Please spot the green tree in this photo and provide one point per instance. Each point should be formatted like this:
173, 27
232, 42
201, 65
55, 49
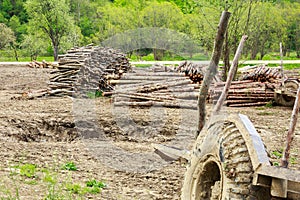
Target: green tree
52, 17
291, 14
7, 36
115, 19
35, 44
162, 15
267, 29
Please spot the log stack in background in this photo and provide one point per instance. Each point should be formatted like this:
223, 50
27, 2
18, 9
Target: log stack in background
256, 87
87, 68
245, 93
144, 89
262, 73
194, 71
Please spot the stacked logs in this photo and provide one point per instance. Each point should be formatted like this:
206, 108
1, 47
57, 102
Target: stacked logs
195, 71
145, 89
245, 93
262, 73
86, 69
43, 64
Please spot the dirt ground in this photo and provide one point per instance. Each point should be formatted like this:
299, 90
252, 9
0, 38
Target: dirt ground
106, 143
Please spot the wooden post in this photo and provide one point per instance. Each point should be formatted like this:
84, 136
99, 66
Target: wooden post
281, 64
231, 74
212, 69
290, 133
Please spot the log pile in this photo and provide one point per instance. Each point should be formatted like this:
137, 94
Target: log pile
145, 89
43, 64
86, 69
194, 71
245, 93
262, 73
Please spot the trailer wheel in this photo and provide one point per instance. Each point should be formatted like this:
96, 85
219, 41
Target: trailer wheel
220, 167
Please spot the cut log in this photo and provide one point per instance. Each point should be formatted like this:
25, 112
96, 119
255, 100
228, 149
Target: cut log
159, 104
248, 104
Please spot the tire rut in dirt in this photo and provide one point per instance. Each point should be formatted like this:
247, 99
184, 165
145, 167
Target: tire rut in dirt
41, 130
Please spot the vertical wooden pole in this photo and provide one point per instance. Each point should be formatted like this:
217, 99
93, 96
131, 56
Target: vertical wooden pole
212, 69
281, 64
290, 133
231, 74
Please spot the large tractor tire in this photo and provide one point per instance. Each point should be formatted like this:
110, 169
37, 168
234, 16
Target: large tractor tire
286, 100
220, 167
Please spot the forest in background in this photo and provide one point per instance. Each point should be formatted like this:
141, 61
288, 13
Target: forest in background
35, 28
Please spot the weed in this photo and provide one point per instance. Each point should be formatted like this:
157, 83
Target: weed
93, 95
50, 178
293, 160
276, 164
28, 170
93, 190
269, 104
277, 154
69, 166
31, 182
74, 188
95, 183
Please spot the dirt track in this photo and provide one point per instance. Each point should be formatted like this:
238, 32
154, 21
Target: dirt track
103, 144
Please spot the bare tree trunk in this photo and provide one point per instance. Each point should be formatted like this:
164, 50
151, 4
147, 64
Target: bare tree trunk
55, 52
16, 54
212, 69
254, 52
231, 74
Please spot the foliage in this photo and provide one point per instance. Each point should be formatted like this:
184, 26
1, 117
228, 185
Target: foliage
37, 25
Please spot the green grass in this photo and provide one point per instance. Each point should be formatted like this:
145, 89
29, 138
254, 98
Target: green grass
276, 56
25, 59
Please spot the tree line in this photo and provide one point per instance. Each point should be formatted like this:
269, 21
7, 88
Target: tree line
53, 26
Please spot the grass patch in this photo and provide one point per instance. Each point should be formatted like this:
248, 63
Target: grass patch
260, 108
265, 113
143, 65
92, 187
286, 66
52, 181
26, 59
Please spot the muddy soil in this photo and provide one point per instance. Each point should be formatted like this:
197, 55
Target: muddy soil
105, 143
